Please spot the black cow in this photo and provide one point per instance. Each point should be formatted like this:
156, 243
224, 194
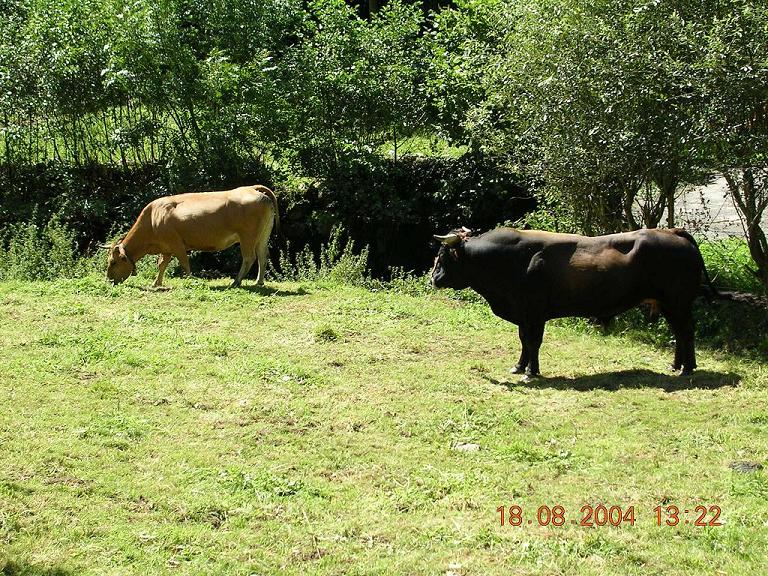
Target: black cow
530, 276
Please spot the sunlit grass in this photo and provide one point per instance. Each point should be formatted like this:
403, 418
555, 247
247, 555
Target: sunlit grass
312, 428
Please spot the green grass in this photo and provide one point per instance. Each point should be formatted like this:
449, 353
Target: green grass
314, 429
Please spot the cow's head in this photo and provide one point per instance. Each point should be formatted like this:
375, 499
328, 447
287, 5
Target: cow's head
119, 265
448, 271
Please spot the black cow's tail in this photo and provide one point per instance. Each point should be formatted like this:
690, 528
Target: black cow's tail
710, 290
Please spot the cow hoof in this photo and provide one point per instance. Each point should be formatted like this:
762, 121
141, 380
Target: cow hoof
529, 378
517, 369
674, 367
686, 372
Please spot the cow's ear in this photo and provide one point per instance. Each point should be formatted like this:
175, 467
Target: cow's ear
121, 250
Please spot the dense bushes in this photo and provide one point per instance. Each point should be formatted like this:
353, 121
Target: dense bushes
393, 206
32, 252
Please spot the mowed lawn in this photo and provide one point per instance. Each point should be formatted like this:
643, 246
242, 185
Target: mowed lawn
310, 429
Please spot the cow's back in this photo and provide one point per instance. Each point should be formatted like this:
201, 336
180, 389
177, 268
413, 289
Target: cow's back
573, 275
210, 221
606, 275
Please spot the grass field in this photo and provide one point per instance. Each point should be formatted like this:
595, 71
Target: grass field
317, 429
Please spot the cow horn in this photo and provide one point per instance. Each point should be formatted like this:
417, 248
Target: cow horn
466, 230
448, 239
107, 246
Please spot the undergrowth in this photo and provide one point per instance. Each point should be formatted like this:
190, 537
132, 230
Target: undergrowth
337, 262
32, 252
730, 265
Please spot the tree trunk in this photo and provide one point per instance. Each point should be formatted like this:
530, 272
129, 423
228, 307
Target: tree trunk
750, 198
671, 209
667, 178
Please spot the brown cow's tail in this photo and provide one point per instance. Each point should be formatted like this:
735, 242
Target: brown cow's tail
267, 192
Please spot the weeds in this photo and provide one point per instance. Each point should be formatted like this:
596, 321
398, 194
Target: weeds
32, 252
337, 263
730, 265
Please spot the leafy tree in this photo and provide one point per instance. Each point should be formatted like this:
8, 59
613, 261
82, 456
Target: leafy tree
463, 47
351, 85
596, 99
734, 83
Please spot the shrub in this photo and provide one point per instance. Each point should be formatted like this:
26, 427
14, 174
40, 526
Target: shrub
334, 263
32, 252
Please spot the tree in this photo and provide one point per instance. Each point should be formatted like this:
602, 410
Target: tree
596, 100
734, 83
352, 85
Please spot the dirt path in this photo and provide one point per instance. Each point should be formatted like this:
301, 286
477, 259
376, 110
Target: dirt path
709, 210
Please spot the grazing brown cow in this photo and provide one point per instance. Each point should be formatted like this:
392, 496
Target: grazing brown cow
205, 221
529, 277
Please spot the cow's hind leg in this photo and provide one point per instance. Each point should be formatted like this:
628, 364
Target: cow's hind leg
263, 255
689, 351
522, 363
681, 322
183, 258
262, 248
162, 263
248, 253
534, 335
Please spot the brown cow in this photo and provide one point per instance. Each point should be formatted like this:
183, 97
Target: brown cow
204, 221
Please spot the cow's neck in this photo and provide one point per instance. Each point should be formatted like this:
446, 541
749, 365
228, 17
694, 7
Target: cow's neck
490, 293
136, 246
503, 300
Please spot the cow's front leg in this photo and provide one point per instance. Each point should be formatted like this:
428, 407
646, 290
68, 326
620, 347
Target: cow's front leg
522, 363
162, 263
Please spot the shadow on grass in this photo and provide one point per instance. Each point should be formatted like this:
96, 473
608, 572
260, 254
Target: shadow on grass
264, 290
611, 381
261, 290
11, 568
